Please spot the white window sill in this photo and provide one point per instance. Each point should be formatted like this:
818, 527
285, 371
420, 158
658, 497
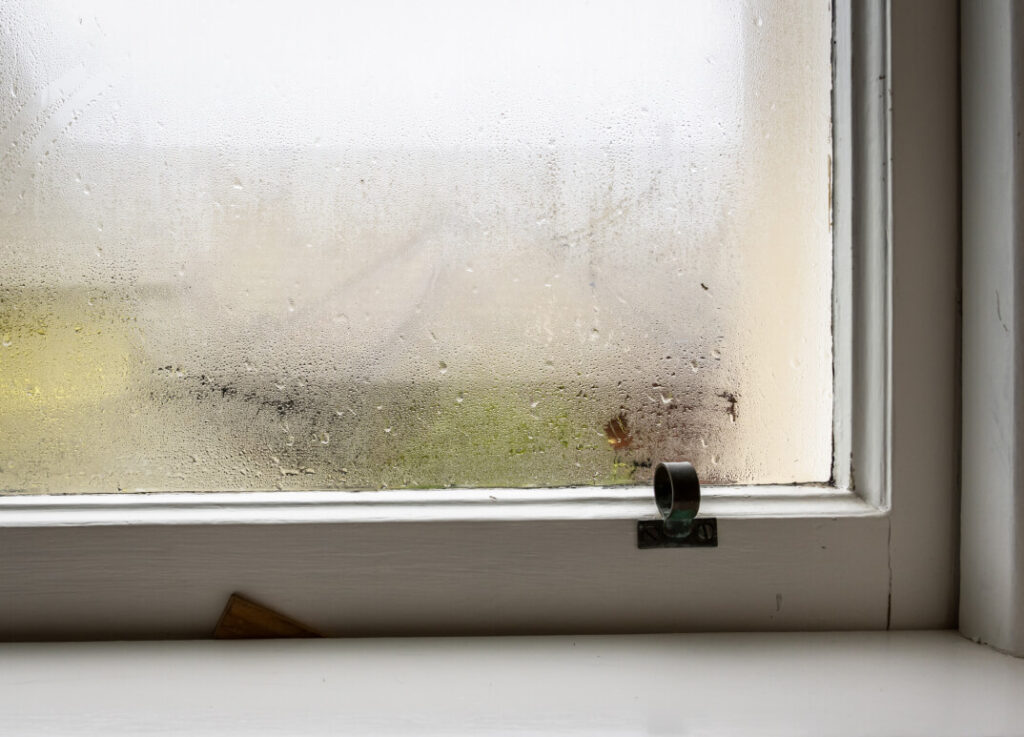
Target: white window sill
895, 683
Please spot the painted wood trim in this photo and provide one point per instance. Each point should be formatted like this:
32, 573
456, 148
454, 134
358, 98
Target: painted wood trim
407, 578
897, 184
992, 529
923, 421
438, 505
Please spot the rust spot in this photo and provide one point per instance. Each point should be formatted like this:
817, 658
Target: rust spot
617, 432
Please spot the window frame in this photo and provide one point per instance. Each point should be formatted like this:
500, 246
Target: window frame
877, 550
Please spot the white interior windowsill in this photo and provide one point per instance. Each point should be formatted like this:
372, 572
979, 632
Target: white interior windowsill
895, 683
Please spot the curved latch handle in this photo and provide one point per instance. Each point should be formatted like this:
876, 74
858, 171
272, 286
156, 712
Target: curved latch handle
677, 494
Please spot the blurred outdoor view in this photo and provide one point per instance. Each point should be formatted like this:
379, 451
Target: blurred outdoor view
346, 245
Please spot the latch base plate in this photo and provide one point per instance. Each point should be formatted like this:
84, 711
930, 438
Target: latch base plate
651, 533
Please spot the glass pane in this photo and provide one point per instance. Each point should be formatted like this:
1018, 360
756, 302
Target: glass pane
259, 245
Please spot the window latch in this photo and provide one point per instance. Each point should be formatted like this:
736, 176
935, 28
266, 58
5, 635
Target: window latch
677, 494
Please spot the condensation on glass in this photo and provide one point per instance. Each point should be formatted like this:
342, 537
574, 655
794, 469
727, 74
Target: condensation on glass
334, 245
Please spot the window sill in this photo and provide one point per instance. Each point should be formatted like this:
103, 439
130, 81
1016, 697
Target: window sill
892, 683
630, 502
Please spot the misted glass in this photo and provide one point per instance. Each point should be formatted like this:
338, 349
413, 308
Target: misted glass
351, 245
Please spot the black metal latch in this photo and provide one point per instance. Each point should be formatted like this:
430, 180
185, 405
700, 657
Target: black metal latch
677, 494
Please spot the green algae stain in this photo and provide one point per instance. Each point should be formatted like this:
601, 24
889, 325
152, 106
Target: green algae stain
82, 409
500, 437
63, 354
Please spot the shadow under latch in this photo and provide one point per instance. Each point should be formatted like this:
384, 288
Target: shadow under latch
677, 494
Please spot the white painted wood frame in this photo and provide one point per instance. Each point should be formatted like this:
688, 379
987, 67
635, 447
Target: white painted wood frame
992, 556
877, 550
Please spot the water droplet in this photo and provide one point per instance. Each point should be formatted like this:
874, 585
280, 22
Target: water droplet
716, 354
7, 340
443, 367
387, 430
694, 367
237, 184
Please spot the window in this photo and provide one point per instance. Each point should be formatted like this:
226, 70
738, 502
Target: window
565, 559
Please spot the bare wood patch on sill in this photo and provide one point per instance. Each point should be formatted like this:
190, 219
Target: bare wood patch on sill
243, 619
